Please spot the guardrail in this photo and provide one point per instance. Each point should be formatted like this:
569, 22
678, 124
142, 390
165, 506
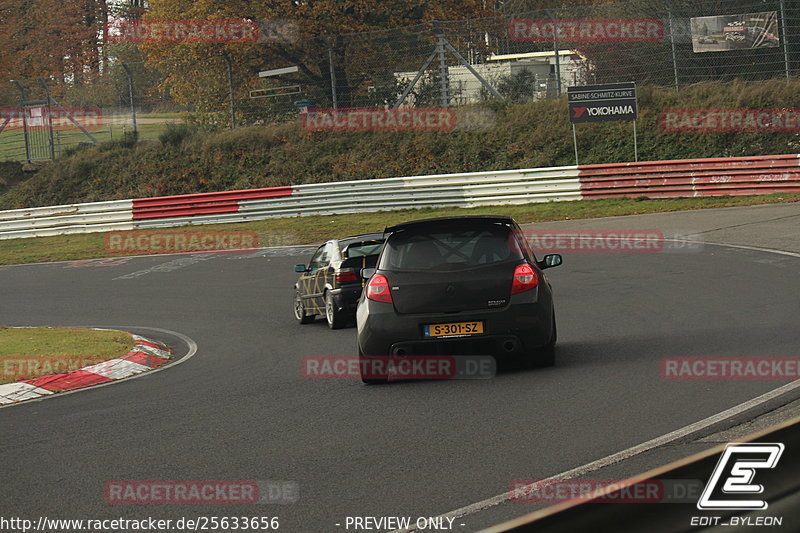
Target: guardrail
62, 219
459, 190
733, 176
654, 179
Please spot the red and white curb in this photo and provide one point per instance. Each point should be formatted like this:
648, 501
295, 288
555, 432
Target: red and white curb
145, 355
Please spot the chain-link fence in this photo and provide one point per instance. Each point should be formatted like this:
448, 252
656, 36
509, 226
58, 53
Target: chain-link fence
517, 55
646, 41
43, 118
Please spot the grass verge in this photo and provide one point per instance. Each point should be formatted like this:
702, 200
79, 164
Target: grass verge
304, 230
26, 353
12, 143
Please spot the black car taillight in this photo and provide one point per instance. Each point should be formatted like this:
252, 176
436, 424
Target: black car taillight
378, 289
525, 279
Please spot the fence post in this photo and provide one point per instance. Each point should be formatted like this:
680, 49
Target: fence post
50, 140
332, 72
674, 55
129, 75
230, 88
555, 52
444, 82
785, 40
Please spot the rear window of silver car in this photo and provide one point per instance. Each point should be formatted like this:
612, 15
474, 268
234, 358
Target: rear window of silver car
361, 249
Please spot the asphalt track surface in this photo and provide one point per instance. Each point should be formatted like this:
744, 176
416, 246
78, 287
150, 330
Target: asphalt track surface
241, 410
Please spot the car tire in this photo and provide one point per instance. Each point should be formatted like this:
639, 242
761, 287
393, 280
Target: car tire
300, 311
368, 381
336, 319
546, 355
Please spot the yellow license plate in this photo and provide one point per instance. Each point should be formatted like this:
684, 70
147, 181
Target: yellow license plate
454, 329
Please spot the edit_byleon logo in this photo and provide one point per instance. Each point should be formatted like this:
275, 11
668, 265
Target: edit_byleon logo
737, 466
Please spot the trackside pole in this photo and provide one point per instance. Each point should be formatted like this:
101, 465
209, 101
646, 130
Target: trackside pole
635, 144
129, 75
333, 74
575, 143
785, 41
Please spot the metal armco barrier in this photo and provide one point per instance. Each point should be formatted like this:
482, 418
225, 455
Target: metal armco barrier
62, 219
654, 179
201, 203
735, 176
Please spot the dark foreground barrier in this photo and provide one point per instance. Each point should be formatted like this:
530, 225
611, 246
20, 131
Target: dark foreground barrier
599, 512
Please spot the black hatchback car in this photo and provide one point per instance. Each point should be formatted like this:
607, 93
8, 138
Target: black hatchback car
331, 283
458, 286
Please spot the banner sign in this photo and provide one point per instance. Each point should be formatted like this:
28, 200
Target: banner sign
735, 32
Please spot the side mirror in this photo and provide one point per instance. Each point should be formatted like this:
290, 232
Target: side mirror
300, 268
550, 260
367, 273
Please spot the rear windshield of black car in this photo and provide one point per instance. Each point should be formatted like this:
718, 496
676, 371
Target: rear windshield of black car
449, 249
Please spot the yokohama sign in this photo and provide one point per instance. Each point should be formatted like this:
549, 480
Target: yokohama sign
602, 103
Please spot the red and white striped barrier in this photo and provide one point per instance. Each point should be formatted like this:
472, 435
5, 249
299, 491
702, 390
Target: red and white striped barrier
653, 179
145, 355
735, 176
212, 203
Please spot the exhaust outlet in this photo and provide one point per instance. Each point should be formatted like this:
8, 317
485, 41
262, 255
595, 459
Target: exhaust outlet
510, 346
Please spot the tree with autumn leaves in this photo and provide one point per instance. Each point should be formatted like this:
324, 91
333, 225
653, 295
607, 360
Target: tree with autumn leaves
51, 39
63, 41
314, 37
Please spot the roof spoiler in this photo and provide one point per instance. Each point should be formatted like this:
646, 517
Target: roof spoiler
500, 219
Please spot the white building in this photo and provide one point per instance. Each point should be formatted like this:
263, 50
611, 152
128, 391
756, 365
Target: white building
465, 88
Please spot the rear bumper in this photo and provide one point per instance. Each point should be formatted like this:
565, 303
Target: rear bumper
346, 298
493, 345
519, 328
